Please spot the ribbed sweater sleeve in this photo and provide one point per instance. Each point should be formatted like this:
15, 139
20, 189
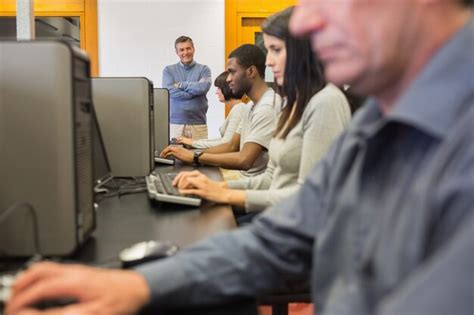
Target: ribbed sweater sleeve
231, 124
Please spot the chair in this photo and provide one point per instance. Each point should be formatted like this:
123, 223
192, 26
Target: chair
279, 302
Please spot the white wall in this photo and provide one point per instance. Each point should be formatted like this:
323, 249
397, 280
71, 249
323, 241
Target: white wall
136, 38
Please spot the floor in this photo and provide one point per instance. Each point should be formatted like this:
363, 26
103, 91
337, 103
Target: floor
295, 309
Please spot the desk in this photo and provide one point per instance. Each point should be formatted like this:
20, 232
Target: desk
129, 219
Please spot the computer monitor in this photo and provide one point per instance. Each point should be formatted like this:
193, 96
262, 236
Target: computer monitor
46, 186
101, 165
162, 119
124, 108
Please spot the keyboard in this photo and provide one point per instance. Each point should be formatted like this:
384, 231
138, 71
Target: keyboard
161, 160
6, 283
160, 187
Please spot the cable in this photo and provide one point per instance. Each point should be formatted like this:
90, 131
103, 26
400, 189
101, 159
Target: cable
122, 186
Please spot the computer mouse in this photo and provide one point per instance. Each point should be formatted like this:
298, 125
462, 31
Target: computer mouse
146, 251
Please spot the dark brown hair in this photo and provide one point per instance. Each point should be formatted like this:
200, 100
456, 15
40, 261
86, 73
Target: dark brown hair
304, 75
221, 83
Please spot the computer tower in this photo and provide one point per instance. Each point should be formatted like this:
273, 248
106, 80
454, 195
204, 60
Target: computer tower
162, 119
124, 108
46, 181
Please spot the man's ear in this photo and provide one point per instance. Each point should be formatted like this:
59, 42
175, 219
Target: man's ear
252, 72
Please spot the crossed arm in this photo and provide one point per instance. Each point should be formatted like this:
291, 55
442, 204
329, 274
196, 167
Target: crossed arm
187, 90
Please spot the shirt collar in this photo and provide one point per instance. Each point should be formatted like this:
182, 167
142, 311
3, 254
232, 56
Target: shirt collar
269, 90
187, 66
434, 102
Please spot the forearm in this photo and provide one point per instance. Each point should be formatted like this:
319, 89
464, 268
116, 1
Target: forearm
195, 88
235, 197
206, 143
232, 160
246, 262
179, 94
222, 148
259, 200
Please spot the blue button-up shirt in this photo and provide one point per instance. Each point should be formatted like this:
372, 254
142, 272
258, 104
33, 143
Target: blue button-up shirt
384, 224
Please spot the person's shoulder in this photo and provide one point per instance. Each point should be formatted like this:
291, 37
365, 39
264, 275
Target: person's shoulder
238, 109
330, 92
329, 98
202, 66
328, 102
269, 98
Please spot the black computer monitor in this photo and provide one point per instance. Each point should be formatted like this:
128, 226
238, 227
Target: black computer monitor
124, 108
100, 160
162, 119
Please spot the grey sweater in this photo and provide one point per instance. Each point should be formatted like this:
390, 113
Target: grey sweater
291, 159
227, 130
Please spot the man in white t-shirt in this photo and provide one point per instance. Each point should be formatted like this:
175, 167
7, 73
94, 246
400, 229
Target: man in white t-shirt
247, 150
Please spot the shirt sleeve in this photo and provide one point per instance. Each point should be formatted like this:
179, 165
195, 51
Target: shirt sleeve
200, 87
262, 126
234, 118
272, 253
260, 181
168, 83
257, 195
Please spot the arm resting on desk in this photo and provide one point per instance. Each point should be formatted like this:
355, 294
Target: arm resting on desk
241, 160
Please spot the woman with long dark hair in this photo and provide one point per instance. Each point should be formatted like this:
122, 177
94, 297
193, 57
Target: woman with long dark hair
313, 114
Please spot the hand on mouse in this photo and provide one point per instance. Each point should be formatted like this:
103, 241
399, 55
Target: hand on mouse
90, 287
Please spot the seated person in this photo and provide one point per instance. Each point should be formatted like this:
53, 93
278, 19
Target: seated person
314, 114
229, 127
247, 150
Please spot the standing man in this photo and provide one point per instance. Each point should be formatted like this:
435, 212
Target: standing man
188, 83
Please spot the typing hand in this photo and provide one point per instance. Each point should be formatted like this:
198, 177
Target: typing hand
185, 141
89, 287
180, 153
196, 183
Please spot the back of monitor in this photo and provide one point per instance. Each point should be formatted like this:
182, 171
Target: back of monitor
124, 108
46, 196
162, 118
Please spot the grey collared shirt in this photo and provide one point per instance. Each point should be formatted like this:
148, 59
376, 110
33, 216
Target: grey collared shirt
383, 224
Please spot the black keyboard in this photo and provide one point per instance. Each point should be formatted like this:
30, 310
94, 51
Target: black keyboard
160, 187
164, 184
